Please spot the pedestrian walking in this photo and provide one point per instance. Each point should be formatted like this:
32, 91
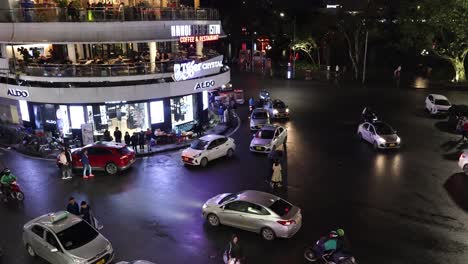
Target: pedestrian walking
277, 177
118, 135
148, 137
134, 141
68, 155
141, 140
233, 253
64, 165
127, 138
221, 114
73, 207
86, 165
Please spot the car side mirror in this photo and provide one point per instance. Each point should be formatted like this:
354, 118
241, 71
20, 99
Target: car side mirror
54, 250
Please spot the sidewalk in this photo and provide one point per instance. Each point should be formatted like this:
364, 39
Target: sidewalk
220, 129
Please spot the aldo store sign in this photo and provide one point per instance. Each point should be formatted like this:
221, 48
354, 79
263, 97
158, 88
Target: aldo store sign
205, 85
18, 93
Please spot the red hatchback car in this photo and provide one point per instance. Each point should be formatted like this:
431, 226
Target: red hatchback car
106, 156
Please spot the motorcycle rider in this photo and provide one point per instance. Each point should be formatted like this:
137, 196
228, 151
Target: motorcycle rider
327, 247
7, 179
368, 115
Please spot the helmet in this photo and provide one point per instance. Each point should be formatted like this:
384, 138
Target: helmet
333, 234
6, 171
340, 232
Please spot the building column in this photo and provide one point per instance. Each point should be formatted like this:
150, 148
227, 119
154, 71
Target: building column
80, 51
199, 46
71, 52
135, 47
196, 4
163, 3
152, 48
3, 50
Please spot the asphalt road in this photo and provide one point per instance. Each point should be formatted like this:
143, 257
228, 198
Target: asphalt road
405, 206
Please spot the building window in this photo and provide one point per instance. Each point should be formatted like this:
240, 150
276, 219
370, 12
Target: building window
63, 123
181, 110
157, 112
76, 116
24, 110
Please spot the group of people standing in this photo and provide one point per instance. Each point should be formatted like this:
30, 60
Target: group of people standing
83, 211
65, 164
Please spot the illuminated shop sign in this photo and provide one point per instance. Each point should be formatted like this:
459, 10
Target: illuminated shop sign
205, 84
195, 30
193, 39
18, 93
189, 70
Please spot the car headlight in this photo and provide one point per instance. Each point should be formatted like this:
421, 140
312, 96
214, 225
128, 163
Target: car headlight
109, 247
381, 140
398, 140
275, 112
287, 110
196, 156
204, 206
77, 260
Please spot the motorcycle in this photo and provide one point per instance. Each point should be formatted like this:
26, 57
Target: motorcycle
265, 95
342, 257
14, 192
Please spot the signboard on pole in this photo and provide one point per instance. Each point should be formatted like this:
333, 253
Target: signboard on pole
87, 134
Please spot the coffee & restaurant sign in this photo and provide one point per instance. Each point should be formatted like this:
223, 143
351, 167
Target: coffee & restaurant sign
191, 70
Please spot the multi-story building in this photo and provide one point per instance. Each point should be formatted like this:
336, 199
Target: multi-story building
135, 65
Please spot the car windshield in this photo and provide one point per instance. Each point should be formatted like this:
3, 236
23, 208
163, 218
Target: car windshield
281, 207
259, 115
231, 196
125, 150
442, 102
77, 235
266, 134
383, 129
199, 144
279, 104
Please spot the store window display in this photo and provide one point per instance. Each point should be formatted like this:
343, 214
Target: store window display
182, 110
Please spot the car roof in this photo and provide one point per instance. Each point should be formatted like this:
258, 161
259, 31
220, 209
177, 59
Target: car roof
57, 226
269, 127
439, 96
256, 197
107, 144
211, 137
260, 110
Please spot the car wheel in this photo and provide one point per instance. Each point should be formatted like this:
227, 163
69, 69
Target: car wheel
213, 220
310, 255
465, 169
230, 153
376, 146
204, 162
31, 251
268, 234
111, 168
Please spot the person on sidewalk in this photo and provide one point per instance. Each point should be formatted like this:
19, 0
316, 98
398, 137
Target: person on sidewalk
141, 140
149, 137
64, 165
118, 135
227, 116
86, 165
134, 141
69, 161
73, 207
221, 114
464, 129
127, 138
233, 253
107, 136
277, 177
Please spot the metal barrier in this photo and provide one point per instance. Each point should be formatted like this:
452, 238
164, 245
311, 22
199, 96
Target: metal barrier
103, 14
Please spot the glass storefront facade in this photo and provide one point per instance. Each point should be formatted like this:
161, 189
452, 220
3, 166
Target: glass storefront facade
168, 114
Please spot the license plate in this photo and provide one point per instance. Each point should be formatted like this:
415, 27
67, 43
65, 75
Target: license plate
392, 145
102, 261
258, 148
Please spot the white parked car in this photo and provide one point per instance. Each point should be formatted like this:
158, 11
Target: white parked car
463, 162
437, 104
259, 118
208, 148
379, 134
269, 138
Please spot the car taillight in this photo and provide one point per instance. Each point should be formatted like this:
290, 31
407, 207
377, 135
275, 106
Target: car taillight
286, 223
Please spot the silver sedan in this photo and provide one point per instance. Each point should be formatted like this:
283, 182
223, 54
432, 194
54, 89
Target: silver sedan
254, 211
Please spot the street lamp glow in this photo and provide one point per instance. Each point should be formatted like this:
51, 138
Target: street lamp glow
281, 14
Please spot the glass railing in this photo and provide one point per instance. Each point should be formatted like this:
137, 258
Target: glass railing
101, 14
97, 70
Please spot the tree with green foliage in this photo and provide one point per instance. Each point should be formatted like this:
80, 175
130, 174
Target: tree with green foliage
439, 26
307, 46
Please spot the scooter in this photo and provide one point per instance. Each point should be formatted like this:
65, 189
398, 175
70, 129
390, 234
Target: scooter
14, 192
342, 257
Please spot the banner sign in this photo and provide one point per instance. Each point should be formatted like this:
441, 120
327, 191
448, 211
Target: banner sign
190, 70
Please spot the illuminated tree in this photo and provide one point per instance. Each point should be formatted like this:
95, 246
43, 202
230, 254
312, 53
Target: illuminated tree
307, 46
439, 26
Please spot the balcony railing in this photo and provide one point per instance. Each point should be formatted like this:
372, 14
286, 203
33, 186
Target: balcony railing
96, 14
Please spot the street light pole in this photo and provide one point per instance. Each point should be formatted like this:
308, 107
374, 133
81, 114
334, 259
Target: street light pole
294, 50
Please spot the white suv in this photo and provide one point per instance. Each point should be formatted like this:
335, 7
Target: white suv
437, 104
